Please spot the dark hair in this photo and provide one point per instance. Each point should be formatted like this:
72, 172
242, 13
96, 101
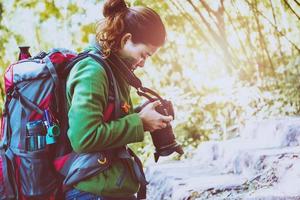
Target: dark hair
144, 24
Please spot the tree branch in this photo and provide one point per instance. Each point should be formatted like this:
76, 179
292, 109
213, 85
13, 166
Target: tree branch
290, 7
236, 33
262, 39
217, 20
219, 40
297, 2
191, 20
281, 33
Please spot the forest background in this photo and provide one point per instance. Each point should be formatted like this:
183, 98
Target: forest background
225, 61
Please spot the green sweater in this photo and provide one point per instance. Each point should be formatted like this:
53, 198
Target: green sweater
87, 97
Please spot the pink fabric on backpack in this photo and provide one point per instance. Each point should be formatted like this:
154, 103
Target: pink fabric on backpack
1, 173
59, 58
43, 105
60, 162
9, 78
1, 127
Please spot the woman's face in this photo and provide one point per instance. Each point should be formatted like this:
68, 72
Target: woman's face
135, 54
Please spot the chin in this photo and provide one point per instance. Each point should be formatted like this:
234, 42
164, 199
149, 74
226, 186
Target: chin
133, 68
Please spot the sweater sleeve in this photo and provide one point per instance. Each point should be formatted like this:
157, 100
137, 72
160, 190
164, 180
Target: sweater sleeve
87, 91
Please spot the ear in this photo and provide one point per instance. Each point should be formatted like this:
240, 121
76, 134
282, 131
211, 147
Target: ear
124, 39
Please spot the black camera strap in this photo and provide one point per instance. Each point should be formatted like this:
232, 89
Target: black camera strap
119, 65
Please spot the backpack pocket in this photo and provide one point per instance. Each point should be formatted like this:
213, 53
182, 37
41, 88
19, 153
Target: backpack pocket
37, 175
85, 165
6, 178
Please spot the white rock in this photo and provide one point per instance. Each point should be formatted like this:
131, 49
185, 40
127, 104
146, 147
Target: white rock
263, 163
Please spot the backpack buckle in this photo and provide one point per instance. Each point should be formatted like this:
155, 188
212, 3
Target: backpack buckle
102, 161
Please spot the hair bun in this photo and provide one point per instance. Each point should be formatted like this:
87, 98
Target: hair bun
112, 7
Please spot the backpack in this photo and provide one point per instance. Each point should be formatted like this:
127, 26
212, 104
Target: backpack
35, 153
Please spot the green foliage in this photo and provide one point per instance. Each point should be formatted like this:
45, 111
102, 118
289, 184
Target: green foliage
86, 31
49, 11
25, 4
73, 8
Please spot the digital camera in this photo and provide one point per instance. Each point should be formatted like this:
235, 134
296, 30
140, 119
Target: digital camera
163, 139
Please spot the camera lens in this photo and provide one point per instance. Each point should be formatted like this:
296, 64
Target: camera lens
165, 143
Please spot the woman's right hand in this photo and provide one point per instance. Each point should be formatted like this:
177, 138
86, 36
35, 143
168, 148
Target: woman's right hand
152, 120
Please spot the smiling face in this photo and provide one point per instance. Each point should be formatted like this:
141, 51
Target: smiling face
133, 54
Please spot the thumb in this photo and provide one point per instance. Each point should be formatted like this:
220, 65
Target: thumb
155, 103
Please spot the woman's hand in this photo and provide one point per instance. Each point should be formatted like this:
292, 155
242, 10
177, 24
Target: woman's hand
152, 120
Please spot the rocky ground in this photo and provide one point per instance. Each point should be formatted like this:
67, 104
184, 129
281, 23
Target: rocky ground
262, 163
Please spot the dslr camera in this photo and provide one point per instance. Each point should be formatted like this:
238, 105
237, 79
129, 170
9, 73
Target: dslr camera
163, 139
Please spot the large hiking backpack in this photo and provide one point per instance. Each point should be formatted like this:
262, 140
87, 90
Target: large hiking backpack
34, 148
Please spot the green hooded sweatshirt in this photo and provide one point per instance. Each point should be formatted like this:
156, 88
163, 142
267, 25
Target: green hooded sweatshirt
87, 97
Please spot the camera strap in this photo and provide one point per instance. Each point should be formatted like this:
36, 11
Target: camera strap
122, 68
119, 65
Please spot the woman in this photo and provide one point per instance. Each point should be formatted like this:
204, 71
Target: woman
132, 35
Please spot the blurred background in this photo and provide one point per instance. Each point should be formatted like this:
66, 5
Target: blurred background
225, 61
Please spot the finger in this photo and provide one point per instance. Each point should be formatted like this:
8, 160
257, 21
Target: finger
164, 125
166, 118
161, 125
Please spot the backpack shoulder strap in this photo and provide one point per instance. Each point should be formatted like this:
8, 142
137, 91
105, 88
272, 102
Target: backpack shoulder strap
113, 86
113, 95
